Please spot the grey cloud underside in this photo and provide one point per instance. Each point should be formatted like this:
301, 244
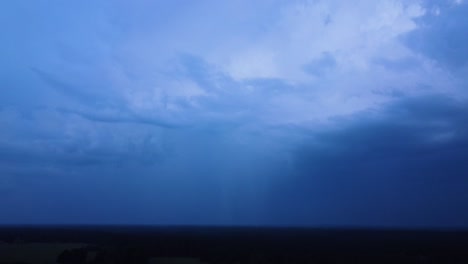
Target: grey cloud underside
403, 165
74, 155
408, 167
96, 107
123, 117
75, 93
227, 102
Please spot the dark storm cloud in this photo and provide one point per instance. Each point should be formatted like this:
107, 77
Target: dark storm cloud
406, 166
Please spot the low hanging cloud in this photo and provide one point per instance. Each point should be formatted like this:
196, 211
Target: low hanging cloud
273, 112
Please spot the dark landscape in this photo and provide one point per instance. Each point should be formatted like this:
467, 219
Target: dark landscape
146, 244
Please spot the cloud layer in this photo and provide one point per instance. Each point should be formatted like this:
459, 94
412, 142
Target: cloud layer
274, 112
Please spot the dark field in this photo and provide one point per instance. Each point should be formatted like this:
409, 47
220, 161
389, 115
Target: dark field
144, 244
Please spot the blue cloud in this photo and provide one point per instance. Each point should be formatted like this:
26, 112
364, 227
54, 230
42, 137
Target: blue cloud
320, 65
265, 112
403, 168
442, 37
399, 65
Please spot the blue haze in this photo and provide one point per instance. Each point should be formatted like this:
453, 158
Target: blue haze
269, 112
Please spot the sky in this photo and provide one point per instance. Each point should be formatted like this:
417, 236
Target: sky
254, 113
